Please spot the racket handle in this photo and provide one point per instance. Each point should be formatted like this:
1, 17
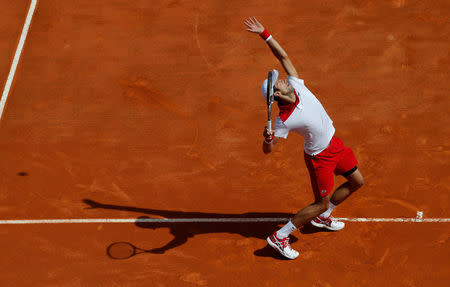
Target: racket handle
269, 126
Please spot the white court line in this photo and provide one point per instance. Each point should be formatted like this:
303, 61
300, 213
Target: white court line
210, 220
15, 61
419, 219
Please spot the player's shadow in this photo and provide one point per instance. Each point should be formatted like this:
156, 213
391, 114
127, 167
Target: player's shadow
310, 229
182, 231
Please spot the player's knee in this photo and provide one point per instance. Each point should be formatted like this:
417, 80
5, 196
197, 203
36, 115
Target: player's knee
356, 181
359, 182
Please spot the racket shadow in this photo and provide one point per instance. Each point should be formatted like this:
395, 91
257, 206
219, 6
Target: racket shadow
123, 250
182, 231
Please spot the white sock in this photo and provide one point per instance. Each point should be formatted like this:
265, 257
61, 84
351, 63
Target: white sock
286, 230
327, 213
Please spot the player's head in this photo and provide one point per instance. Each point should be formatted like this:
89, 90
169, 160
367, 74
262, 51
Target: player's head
282, 88
279, 88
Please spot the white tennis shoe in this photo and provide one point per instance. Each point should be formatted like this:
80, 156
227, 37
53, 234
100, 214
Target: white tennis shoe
329, 223
282, 245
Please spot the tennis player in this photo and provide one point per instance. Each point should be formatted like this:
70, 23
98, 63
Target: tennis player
324, 153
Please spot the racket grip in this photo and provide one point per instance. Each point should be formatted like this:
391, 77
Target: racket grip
269, 126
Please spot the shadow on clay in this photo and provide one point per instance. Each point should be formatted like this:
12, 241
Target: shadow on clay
310, 229
182, 231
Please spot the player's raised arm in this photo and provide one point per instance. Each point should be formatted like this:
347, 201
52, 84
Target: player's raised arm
255, 27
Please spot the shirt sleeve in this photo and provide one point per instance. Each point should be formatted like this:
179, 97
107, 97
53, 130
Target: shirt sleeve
295, 81
281, 130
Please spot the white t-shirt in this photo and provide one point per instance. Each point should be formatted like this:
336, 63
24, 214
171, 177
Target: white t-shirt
307, 118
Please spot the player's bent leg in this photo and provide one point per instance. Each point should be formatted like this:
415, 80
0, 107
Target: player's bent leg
325, 220
306, 214
355, 181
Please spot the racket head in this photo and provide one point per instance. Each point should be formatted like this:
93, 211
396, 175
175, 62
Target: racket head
121, 250
269, 96
266, 89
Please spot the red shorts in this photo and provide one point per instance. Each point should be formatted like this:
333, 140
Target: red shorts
335, 159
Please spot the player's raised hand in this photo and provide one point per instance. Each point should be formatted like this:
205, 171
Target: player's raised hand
253, 25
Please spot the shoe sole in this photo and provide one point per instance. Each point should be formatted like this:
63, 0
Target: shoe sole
320, 225
274, 246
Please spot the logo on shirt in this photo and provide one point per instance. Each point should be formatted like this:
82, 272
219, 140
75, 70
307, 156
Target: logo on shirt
323, 191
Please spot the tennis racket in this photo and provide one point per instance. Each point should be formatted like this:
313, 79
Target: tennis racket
123, 250
269, 98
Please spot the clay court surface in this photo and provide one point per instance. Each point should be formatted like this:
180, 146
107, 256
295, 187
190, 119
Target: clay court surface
152, 109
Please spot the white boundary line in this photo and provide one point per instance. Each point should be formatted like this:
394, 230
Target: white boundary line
418, 219
209, 220
16, 59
